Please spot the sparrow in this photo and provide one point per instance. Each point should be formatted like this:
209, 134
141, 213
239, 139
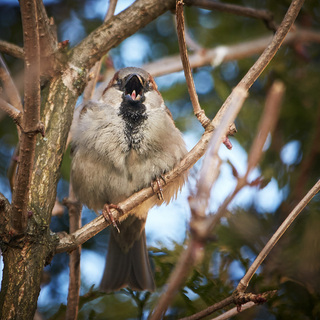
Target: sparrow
121, 143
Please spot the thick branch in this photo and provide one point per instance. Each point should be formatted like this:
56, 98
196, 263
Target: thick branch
126, 23
31, 114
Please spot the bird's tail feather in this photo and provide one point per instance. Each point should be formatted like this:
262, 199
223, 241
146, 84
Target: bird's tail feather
131, 268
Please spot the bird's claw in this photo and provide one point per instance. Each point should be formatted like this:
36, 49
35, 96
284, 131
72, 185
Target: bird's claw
159, 190
106, 212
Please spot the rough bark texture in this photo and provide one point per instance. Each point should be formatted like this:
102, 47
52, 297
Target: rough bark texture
21, 277
25, 255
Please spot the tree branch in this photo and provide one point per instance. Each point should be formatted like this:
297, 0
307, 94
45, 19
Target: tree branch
268, 121
264, 15
199, 224
12, 112
198, 203
264, 59
126, 23
74, 208
276, 236
31, 117
198, 111
70, 242
48, 40
11, 49
220, 54
9, 86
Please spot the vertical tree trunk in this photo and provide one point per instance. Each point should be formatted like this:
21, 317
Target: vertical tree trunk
23, 267
25, 257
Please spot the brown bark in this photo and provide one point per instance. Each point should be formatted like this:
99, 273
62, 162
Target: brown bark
31, 117
25, 253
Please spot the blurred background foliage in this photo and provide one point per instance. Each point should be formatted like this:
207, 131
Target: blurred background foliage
290, 166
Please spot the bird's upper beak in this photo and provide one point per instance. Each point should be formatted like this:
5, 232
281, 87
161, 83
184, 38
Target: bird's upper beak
134, 87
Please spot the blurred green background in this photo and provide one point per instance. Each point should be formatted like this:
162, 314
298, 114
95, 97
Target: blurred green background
290, 167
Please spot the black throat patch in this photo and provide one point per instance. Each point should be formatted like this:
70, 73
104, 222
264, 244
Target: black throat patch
134, 114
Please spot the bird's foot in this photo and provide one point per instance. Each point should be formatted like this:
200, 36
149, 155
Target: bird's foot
159, 190
106, 212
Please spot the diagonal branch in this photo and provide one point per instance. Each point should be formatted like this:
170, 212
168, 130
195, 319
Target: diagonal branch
31, 117
216, 56
191, 254
70, 242
9, 86
199, 224
276, 236
12, 112
11, 49
124, 24
264, 59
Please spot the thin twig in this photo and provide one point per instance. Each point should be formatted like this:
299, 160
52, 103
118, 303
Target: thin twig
186, 67
233, 312
217, 306
264, 15
9, 86
276, 236
11, 111
11, 49
266, 126
31, 118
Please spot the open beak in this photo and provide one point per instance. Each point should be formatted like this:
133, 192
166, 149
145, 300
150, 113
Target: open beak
134, 87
